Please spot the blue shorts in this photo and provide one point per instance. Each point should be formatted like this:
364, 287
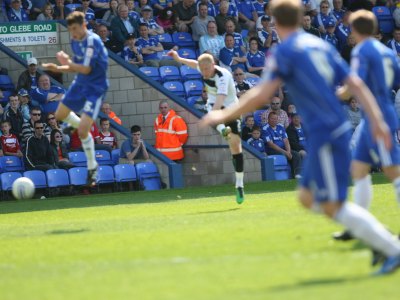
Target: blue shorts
369, 151
326, 170
84, 99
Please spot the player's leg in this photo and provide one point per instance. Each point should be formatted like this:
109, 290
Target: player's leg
64, 112
235, 147
393, 173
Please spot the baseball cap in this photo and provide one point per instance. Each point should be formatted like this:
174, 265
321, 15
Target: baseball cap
147, 8
32, 61
23, 92
130, 36
331, 23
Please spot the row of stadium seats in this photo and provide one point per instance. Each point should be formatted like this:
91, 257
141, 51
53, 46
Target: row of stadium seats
169, 73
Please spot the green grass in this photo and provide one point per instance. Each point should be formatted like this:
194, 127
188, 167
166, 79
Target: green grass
193, 243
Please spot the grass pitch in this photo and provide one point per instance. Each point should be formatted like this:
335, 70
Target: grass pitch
192, 244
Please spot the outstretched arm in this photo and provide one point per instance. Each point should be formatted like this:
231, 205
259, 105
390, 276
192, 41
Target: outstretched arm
189, 62
67, 65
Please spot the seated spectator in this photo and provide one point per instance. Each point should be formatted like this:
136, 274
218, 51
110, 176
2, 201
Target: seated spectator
54, 125
338, 12
154, 28
266, 35
200, 22
60, 153
232, 57
231, 29
100, 7
167, 20
267, 12
110, 44
16, 13
394, 43
60, 10
46, 14
277, 142
276, 104
142, 3
346, 51
149, 47
106, 109
29, 78
38, 154
76, 144
106, 136
212, 43
329, 34
9, 141
122, 26
225, 14
131, 53
185, 12
110, 14
296, 136
36, 8
89, 14
343, 31
248, 128
133, 149
353, 113
255, 58
322, 18
13, 115
132, 13
241, 84
291, 111
201, 102
247, 14
46, 92
259, 7
160, 5
307, 27
256, 141
28, 127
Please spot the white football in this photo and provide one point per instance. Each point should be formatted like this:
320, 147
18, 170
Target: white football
23, 188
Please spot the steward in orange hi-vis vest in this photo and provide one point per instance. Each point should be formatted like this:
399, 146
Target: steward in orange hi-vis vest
171, 134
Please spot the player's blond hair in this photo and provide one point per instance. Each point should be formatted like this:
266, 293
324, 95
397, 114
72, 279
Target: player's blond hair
364, 22
206, 58
287, 13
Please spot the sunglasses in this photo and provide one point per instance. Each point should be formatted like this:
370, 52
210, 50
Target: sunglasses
52, 118
239, 74
38, 127
275, 103
36, 115
58, 136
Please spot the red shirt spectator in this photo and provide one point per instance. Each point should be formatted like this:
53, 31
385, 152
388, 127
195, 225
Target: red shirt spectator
76, 143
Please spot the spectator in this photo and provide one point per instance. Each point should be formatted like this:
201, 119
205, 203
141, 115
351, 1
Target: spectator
323, 17
28, 128
59, 150
353, 113
13, 115
232, 57
201, 102
329, 34
267, 12
160, 5
60, 10
9, 141
200, 22
110, 14
185, 11
38, 154
106, 136
248, 128
76, 144
212, 43
46, 14
276, 104
16, 13
256, 141
259, 7
171, 132
36, 8
255, 58
343, 30
266, 35
167, 20
277, 142
149, 47
24, 103
106, 109
338, 12
110, 44
46, 92
142, 3
394, 43
241, 84
122, 25
291, 111
29, 78
224, 15
131, 53
133, 150
346, 51
308, 27
396, 16
296, 136
154, 28
247, 14
53, 124
231, 29
100, 7
89, 14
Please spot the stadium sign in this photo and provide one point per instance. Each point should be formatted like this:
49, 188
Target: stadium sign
33, 33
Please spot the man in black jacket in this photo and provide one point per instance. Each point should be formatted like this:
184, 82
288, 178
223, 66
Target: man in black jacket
38, 154
29, 79
296, 136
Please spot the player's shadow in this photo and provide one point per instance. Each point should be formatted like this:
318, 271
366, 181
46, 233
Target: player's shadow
215, 211
68, 231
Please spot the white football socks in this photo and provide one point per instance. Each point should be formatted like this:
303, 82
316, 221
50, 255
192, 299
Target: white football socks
72, 119
362, 192
88, 147
239, 179
220, 127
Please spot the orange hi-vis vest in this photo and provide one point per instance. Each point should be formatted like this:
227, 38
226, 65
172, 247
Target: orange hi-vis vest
114, 117
171, 134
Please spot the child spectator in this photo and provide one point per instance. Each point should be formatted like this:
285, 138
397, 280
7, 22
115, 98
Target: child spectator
107, 137
248, 128
256, 141
131, 53
47, 13
167, 19
9, 141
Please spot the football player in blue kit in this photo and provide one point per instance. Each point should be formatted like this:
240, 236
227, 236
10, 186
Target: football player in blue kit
87, 91
309, 65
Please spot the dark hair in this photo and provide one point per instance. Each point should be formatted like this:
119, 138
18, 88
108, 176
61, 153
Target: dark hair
35, 108
247, 117
163, 15
5, 121
287, 13
229, 34
52, 134
75, 17
253, 38
38, 122
135, 128
255, 127
103, 120
143, 25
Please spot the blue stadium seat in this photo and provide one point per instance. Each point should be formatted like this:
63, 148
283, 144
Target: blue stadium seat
57, 178
183, 40
6, 96
103, 157
78, 158
115, 156
193, 88
187, 53
162, 55
175, 87
105, 175
124, 173
244, 33
11, 164
151, 72
253, 80
169, 73
6, 83
281, 167
192, 100
78, 176
166, 40
385, 19
7, 179
38, 178
189, 73
148, 175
